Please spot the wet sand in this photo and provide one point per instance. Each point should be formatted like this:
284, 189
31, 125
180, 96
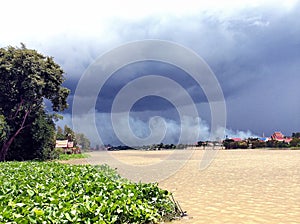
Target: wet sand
239, 186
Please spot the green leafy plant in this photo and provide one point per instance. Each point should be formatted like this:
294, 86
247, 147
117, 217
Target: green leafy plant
63, 156
49, 192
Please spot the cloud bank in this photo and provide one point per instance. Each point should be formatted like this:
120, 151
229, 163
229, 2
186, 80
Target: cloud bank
251, 46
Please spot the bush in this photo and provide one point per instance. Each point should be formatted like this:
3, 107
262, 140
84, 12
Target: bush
295, 142
242, 145
276, 144
257, 144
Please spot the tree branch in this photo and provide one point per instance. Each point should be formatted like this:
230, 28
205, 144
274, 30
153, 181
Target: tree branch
18, 110
25, 117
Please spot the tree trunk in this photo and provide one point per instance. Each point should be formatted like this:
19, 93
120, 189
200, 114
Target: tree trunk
4, 150
6, 145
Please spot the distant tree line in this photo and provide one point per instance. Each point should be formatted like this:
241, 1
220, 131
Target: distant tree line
296, 135
227, 144
256, 143
160, 146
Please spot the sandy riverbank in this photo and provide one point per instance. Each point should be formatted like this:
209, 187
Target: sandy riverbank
240, 186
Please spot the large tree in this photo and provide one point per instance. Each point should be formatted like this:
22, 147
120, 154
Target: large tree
27, 78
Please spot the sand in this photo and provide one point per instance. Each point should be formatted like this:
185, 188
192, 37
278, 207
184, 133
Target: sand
239, 186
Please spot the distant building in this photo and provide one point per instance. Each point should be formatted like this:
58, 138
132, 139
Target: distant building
278, 136
236, 139
264, 139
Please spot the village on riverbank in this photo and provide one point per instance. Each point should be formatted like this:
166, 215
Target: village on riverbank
276, 140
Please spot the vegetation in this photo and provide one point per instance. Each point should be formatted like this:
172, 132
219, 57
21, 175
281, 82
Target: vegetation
296, 135
63, 156
3, 128
231, 144
83, 141
39, 192
295, 142
256, 143
79, 139
160, 146
27, 78
201, 143
276, 144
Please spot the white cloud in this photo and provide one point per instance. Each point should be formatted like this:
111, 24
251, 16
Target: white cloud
37, 21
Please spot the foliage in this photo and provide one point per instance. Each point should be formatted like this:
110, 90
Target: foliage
243, 145
231, 144
43, 132
202, 143
79, 139
27, 78
295, 142
70, 134
36, 143
296, 135
72, 156
255, 143
228, 143
37, 192
60, 134
276, 144
83, 141
3, 128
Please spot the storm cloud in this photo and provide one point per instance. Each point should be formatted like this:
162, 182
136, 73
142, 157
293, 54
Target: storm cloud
253, 50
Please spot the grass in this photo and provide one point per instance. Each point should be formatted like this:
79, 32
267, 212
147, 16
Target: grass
72, 156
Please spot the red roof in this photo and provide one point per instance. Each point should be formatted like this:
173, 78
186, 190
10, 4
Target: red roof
280, 137
237, 139
288, 140
277, 136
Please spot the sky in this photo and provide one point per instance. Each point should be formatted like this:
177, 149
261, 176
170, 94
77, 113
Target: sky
252, 48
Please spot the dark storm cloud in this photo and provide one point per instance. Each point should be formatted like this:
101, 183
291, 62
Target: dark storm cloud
255, 54
122, 77
266, 71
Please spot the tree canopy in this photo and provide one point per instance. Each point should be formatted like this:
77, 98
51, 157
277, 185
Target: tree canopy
27, 78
